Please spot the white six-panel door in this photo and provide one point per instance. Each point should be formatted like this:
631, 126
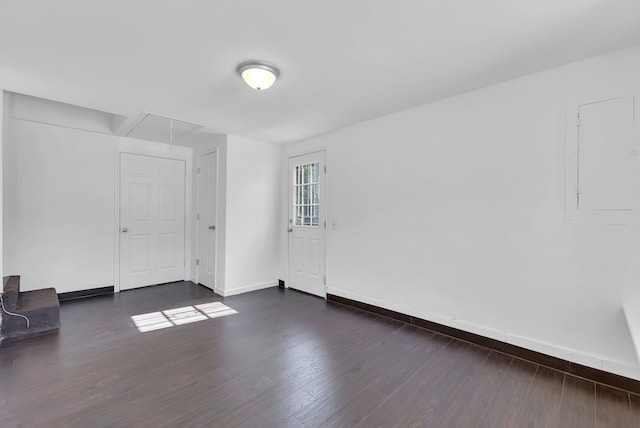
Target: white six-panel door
207, 189
307, 223
152, 220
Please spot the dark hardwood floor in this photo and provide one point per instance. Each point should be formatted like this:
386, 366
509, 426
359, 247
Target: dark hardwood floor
284, 359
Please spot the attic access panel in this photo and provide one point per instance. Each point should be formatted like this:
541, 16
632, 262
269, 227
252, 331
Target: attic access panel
158, 128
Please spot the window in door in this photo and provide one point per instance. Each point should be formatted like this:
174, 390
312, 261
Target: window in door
306, 205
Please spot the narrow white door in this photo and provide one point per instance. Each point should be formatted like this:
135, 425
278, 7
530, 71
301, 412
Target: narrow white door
307, 223
207, 189
152, 215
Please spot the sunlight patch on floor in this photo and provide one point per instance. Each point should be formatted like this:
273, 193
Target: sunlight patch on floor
178, 316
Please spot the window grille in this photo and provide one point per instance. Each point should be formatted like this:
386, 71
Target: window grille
306, 200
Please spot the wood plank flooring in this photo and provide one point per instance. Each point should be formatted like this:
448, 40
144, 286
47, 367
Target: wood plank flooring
285, 359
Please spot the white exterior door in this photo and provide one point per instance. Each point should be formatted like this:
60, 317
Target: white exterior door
307, 223
207, 189
152, 216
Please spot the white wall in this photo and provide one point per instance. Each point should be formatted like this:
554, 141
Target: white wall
454, 212
5, 106
61, 114
248, 249
8, 178
62, 216
253, 250
61, 200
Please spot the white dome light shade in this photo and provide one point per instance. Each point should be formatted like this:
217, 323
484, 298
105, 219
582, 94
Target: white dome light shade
258, 75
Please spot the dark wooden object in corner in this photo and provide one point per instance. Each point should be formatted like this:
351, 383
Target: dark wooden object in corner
81, 294
575, 369
28, 312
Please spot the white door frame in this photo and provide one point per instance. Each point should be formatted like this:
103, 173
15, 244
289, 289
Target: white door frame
135, 147
197, 185
287, 213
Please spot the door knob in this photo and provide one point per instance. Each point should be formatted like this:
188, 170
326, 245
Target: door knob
125, 230
212, 228
290, 229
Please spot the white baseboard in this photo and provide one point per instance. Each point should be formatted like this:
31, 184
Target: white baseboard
367, 300
617, 367
478, 329
554, 350
247, 288
631, 311
621, 369
597, 362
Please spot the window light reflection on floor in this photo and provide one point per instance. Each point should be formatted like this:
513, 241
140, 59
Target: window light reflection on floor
178, 316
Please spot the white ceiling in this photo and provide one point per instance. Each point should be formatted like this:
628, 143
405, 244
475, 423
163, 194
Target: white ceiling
341, 62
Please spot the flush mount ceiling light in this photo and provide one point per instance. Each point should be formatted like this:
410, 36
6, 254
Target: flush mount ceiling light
258, 74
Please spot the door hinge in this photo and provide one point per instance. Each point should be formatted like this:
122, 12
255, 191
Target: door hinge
325, 169
197, 262
198, 171
577, 198
198, 216
324, 280
578, 123
325, 224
